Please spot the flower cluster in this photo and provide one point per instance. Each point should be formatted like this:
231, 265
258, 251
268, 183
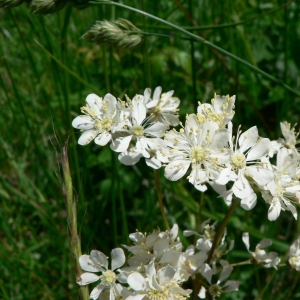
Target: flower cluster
133, 128
204, 147
157, 267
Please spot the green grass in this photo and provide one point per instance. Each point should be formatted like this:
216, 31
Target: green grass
46, 71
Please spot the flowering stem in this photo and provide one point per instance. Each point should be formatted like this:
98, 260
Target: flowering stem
221, 229
160, 199
74, 238
202, 40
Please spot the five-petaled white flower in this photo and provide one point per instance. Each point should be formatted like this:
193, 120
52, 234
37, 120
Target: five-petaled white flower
97, 262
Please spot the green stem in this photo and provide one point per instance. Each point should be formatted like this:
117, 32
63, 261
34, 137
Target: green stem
160, 199
220, 231
202, 40
199, 215
74, 238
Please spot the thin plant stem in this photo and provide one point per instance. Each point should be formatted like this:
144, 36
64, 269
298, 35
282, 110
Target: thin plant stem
160, 199
74, 238
202, 40
221, 229
199, 215
260, 296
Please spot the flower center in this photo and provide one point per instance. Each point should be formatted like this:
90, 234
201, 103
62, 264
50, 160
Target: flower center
215, 290
103, 125
279, 190
108, 277
157, 295
238, 160
198, 154
137, 130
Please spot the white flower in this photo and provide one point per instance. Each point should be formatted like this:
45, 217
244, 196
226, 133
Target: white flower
260, 256
290, 138
281, 192
101, 118
97, 262
162, 107
216, 289
294, 255
202, 146
220, 110
138, 133
158, 284
243, 162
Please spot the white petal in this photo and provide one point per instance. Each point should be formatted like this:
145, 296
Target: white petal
117, 258
264, 243
202, 293
242, 188
260, 149
129, 158
176, 169
99, 258
87, 264
260, 175
97, 291
86, 137
160, 246
166, 274
103, 138
136, 281
248, 138
83, 122
249, 202
87, 278
206, 271
121, 144
157, 92
95, 102
232, 285
153, 163
157, 129
274, 210
246, 241
139, 111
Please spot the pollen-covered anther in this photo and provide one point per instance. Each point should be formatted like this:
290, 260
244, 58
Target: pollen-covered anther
198, 154
215, 290
238, 160
108, 277
137, 131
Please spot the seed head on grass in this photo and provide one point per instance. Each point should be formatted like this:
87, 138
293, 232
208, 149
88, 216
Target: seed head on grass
46, 6
120, 33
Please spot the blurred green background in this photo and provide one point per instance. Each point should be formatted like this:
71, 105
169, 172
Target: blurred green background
46, 72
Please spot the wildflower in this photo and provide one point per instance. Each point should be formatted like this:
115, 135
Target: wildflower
158, 284
216, 289
97, 262
138, 131
243, 165
220, 110
259, 256
294, 255
283, 190
101, 118
290, 138
202, 146
162, 107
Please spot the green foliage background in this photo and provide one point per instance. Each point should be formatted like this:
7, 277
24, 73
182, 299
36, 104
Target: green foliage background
46, 71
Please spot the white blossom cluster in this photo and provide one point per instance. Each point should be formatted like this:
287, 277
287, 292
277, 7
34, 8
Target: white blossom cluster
133, 128
158, 266
204, 148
